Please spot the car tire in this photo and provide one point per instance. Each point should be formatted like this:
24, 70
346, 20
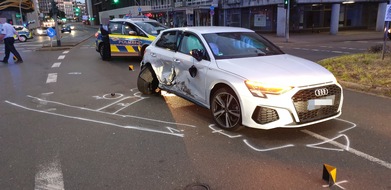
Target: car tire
22, 38
147, 82
225, 109
102, 55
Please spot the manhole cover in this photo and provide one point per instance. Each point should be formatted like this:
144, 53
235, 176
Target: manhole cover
197, 187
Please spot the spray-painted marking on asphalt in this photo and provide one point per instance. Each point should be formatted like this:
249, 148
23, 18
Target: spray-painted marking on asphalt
169, 132
325, 140
52, 77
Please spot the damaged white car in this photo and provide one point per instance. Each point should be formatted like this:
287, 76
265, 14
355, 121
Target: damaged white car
243, 78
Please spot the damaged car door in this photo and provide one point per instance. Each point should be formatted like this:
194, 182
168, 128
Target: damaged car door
190, 72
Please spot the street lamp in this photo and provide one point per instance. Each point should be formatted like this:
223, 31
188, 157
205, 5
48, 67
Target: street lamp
20, 11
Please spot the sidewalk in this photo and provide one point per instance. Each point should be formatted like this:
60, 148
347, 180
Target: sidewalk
354, 35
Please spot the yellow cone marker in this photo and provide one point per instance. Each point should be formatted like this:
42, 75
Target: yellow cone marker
131, 68
329, 174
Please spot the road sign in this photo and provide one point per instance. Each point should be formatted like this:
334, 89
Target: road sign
51, 32
212, 8
139, 9
212, 12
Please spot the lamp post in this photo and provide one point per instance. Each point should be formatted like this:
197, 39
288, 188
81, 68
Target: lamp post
20, 11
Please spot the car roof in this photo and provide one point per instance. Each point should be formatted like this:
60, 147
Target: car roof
211, 29
133, 19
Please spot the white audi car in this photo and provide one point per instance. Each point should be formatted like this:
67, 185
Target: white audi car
244, 79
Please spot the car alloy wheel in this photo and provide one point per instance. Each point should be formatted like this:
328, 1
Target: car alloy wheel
225, 109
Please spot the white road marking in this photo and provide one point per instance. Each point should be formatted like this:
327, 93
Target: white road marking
57, 64
49, 176
351, 150
74, 73
52, 77
65, 52
61, 57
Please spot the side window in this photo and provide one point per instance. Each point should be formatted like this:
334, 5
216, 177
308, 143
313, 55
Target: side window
168, 40
116, 28
129, 29
190, 42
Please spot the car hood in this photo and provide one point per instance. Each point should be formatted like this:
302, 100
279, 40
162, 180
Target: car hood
278, 69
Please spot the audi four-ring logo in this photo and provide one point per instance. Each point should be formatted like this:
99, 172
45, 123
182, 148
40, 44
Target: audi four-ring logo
321, 92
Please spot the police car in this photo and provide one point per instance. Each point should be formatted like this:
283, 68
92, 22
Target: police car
129, 36
23, 32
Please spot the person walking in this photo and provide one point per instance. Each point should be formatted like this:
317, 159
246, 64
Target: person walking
105, 31
7, 34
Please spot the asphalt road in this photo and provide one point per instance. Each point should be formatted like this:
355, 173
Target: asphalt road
69, 120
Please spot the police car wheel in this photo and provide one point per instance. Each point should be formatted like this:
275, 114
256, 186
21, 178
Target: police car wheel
147, 82
101, 49
22, 38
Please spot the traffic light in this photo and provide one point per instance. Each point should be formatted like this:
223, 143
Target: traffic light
115, 1
286, 3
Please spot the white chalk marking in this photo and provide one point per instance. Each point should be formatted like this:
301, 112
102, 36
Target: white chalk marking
127, 105
52, 77
110, 97
131, 116
353, 125
116, 102
316, 145
97, 121
222, 132
57, 64
61, 57
47, 93
49, 176
351, 150
267, 149
337, 184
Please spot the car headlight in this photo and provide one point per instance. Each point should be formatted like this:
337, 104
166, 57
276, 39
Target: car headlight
261, 89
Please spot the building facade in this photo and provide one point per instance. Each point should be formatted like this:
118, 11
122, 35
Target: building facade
259, 15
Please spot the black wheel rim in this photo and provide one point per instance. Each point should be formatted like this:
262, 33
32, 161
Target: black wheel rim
226, 110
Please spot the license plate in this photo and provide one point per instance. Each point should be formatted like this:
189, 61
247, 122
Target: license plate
318, 103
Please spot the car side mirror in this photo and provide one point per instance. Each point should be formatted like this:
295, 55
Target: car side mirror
197, 54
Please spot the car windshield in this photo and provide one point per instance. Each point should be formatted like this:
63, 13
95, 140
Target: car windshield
240, 44
152, 28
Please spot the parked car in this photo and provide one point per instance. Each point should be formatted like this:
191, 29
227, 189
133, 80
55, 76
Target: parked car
23, 32
66, 28
243, 78
41, 31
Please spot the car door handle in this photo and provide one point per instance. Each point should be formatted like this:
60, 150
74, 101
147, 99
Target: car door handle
177, 61
152, 54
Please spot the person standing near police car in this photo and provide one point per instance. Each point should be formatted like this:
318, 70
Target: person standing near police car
105, 31
7, 34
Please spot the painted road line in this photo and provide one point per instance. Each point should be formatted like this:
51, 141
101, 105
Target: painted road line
52, 77
65, 52
61, 57
351, 150
57, 64
49, 176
